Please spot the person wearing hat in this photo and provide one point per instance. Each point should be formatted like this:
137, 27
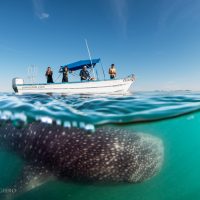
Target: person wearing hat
84, 74
112, 71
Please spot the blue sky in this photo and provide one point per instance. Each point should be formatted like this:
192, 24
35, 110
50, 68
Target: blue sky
157, 40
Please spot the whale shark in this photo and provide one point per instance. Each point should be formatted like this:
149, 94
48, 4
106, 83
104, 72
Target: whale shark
109, 155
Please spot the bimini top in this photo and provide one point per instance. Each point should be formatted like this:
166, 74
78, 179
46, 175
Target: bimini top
80, 64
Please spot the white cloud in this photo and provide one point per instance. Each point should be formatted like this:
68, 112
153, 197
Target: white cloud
168, 11
39, 9
43, 15
120, 8
174, 11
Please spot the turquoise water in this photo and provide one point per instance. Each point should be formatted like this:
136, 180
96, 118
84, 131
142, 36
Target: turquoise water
174, 117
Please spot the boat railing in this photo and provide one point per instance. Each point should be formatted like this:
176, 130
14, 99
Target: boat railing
129, 78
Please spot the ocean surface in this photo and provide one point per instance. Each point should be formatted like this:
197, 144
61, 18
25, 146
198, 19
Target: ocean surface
174, 117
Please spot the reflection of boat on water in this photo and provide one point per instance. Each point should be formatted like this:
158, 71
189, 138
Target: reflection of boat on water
85, 87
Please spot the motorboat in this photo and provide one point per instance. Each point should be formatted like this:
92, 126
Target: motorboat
95, 86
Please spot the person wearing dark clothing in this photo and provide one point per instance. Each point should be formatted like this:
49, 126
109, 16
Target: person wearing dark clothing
65, 74
84, 74
49, 75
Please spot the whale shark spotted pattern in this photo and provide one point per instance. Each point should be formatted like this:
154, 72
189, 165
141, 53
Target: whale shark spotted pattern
108, 155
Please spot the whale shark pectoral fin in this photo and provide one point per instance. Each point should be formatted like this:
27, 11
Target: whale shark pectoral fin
30, 178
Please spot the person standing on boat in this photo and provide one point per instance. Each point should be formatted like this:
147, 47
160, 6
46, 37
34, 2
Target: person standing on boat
49, 75
112, 71
65, 71
84, 74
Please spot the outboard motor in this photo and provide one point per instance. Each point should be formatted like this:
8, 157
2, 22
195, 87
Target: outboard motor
15, 82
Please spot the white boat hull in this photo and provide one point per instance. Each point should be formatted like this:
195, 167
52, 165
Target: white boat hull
89, 87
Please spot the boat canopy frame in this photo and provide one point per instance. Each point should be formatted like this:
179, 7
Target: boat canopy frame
80, 64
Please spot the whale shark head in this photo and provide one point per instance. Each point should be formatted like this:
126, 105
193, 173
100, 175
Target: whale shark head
113, 155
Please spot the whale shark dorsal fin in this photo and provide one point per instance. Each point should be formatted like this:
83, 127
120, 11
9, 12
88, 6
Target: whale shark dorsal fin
30, 178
